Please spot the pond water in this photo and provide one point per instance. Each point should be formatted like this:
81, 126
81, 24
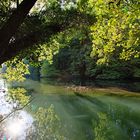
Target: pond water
57, 113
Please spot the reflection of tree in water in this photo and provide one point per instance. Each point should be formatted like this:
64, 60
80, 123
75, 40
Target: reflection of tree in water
43, 124
14, 120
105, 129
119, 123
18, 96
128, 120
47, 125
17, 123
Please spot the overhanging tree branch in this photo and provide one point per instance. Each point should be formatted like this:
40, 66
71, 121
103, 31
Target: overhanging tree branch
29, 41
9, 49
13, 23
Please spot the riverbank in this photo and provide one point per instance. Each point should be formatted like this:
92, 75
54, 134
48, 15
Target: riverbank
97, 86
88, 90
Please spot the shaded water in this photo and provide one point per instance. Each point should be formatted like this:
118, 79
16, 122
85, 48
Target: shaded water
79, 117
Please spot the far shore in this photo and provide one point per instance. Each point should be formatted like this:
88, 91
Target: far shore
86, 90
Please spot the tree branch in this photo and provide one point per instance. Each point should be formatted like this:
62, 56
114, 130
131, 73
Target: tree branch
13, 23
28, 41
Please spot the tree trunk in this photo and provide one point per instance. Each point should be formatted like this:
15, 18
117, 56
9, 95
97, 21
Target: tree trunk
17, 3
13, 23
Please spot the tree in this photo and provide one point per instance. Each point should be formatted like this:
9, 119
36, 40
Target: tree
116, 32
11, 45
12, 25
114, 26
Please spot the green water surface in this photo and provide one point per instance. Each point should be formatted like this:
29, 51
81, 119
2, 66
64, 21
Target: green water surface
88, 116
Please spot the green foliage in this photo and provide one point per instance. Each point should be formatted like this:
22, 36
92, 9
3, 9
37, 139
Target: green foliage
16, 69
116, 71
18, 95
115, 37
137, 72
48, 125
116, 32
72, 53
80, 58
111, 26
48, 70
64, 52
104, 129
